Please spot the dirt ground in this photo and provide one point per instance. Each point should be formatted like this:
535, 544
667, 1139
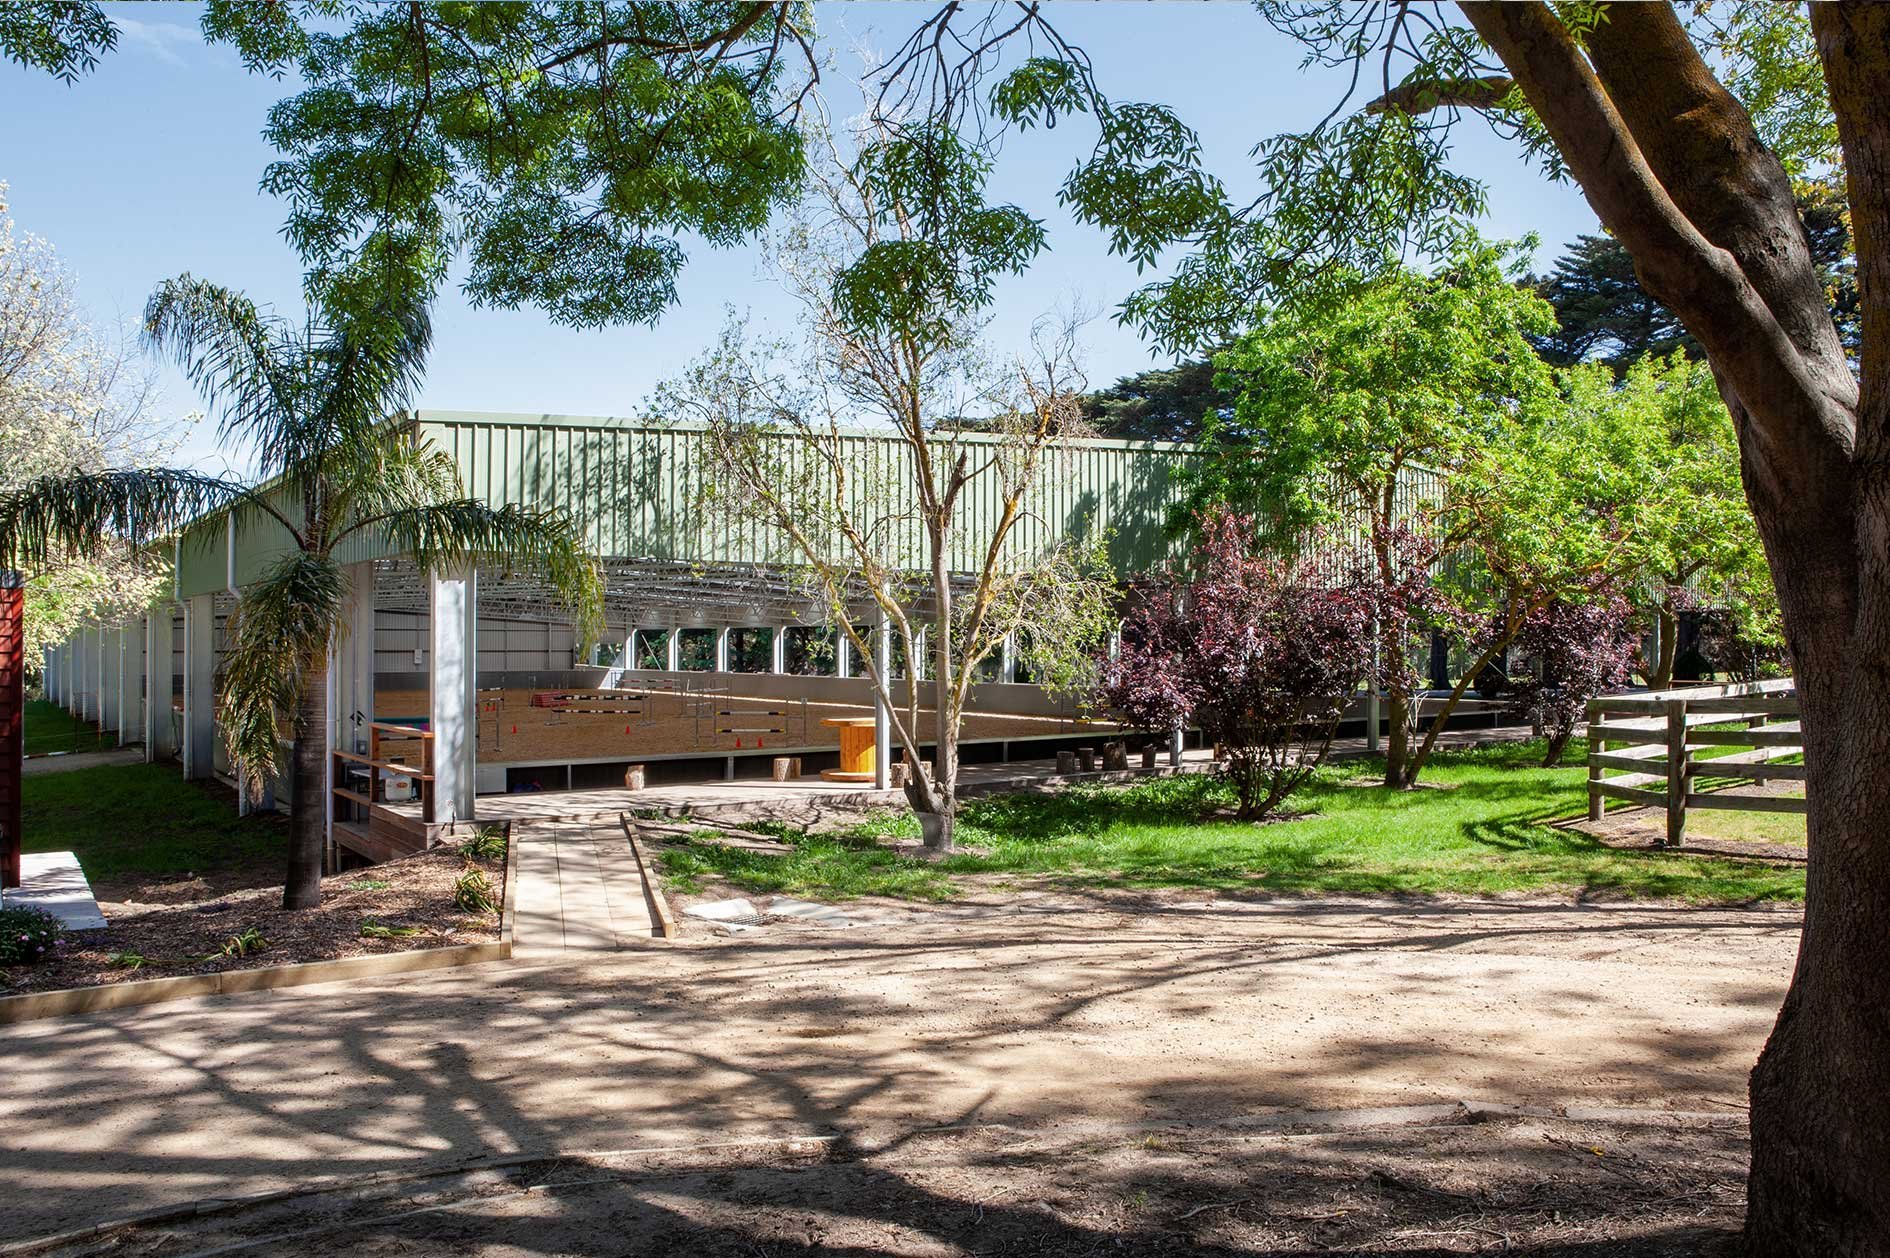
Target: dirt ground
189, 924
1462, 1182
1133, 1070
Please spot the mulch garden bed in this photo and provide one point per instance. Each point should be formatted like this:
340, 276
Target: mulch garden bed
166, 940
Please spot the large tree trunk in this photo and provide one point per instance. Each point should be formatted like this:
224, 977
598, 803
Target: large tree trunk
1820, 1178
308, 777
1673, 166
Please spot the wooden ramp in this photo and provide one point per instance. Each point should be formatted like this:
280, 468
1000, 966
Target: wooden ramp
580, 890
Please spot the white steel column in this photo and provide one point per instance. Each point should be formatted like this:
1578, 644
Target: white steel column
95, 669
200, 666
453, 704
672, 660
777, 662
158, 666
1007, 659
882, 725
721, 649
131, 669
109, 674
354, 664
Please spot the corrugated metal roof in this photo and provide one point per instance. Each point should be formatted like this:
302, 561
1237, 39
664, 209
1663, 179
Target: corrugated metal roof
637, 485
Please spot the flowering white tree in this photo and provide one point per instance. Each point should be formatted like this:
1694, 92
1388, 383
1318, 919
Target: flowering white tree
74, 397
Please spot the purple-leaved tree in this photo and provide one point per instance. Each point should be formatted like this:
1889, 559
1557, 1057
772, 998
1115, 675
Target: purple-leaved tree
1578, 651
1263, 654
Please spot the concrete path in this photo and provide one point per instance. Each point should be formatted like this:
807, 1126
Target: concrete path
1043, 1011
579, 890
72, 761
54, 882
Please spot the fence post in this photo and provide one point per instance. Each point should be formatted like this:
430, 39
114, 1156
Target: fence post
1595, 804
1676, 772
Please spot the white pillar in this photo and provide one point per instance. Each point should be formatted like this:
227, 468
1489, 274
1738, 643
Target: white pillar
109, 674
353, 666
95, 676
200, 666
777, 662
842, 654
453, 685
721, 649
1007, 659
157, 685
672, 659
882, 726
131, 705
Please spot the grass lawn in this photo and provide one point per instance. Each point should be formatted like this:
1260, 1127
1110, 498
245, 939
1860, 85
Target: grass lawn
50, 727
1482, 835
133, 824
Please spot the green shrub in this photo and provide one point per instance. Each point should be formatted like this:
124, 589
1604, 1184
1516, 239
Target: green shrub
28, 935
487, 843
473, 892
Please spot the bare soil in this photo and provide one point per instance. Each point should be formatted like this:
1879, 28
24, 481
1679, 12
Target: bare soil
1463, 1184
191, 928
1137, 1073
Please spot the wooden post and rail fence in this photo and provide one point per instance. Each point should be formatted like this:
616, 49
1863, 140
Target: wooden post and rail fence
1656, 740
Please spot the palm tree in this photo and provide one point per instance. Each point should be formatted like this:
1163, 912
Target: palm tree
314, 405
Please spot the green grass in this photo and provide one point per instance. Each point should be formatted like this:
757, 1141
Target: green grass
142, 819
1482, 835
50, 727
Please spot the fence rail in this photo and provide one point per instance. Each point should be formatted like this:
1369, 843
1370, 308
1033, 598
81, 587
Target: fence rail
1654, 742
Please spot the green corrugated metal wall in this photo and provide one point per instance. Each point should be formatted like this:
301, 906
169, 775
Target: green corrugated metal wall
637, 486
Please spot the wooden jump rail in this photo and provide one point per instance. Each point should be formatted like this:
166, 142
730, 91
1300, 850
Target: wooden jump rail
1655, 747
386, 832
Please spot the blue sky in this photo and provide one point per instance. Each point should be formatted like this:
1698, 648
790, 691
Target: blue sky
149, 167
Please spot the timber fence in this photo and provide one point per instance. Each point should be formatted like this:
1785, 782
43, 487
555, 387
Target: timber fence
1664, 744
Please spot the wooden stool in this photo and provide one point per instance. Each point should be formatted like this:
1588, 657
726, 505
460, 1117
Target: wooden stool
1115, 756
1086, 759
856, 749
636, 777
787, 768
1066, 763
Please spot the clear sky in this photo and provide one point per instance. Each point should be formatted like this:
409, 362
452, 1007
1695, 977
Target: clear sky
149, 166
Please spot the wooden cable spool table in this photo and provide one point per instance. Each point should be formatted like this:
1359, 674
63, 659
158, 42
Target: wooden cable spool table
856, 749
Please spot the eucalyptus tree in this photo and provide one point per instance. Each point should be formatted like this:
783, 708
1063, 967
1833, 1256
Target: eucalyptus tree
1342, 406
1687, 129
316, 407
893, 262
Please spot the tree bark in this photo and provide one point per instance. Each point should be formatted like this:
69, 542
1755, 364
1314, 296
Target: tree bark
1673, 166
308, 779
1397, 738
1669, 647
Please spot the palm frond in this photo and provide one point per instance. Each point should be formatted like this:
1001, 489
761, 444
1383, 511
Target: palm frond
88, 512
280, 631
371, 364
244, 366
383, 471
466, 530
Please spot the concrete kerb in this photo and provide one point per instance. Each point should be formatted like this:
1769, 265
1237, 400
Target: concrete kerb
1283, 1124
32, 1006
